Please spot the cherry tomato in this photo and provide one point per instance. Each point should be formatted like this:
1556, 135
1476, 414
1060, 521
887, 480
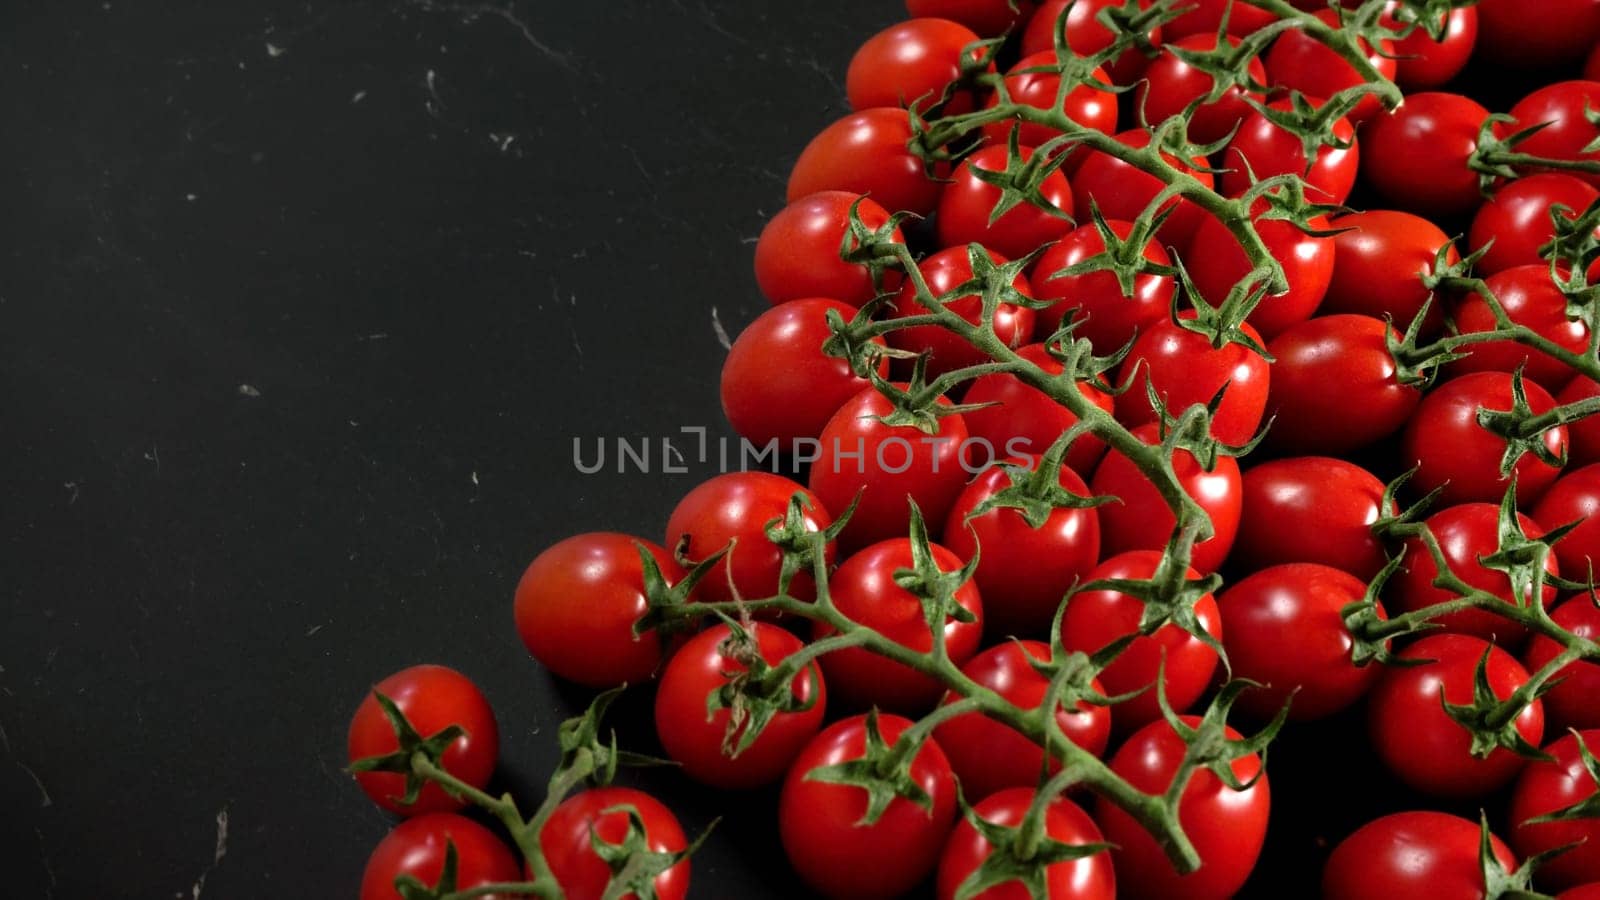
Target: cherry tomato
1589, 891
1419, 742
1025, 420
777, 384
1310, 509
1454, 452
600, 814
1262, 148
1171, 84
1515, 222
886, 464
867, 152
1122, 191
1561, 31
1378, 261
1217, 262
737, 507
1205, 17
1575, 497
944, 272
418, 847
699, 740
1411, 856
1227, 827
988, 756
1303, 63
989, 18
1142, 521
1094, 619
797, 255
910, 63
1422, 63
1084, 104
1335, 387
1584, 445
1416, 155
968, 201
819, 820
578, 601
1086, 878
1546, 787
1086, 36
864, 589
1563, 106
1185, 369
432, 698
1570, 703
1529, 297
1023, 572
1107, 317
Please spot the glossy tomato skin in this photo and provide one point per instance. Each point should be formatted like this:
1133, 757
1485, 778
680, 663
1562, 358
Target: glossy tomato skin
1265, 149
1562, 105
1465, 533
943, 272
1591, 68
418, 847
1416, 156
1515, 222
1570, 704
1023, 572
1205, 17
1589, 891
1142, 520
1335, 387
1170, 85
1545, 787
777, 384
1285, 630
1423, 63
594, 814
988, 756
1562, 31
1310, 509
1411, 856
860, 453
1575, 497
1419, 742
988, 18
1584, 435
1025, 420
1107, 317
967, 202
1378, 259
1529, 297
817, 820
432, 698
797, 255
1088, 878
1086, 36
736, 508
702, 667
864, 589
1094, 619
1217, 262
910, 62
1085, 104
1185, 369
866, 152
576, 605
1453, 452
1122, 191
1227, 827
1307, 65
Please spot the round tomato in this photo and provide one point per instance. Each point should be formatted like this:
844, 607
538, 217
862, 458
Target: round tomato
1570, 703
1226, 827
1171, 84
577, 603
1084, 104
418, 847
1217, 262
1416, 155
989, 18
1452, 451
1107, 317
1335, 387
988, 756
1023, 572
1305, 64
1575, 497
867, 152
1411, 856
944, 272
1094, 619
1086, 36
432, 699
1584, 445
1379, 257
1023, 420
1546, 787
1529, 297
1564, 107
966, 205
1205, 17
733, 511
1122, 191
1310, 509
1562, 30
1419, 742
820, 821
601, 815
1142, 520
864, 590
910, 63
797, 255
1085, 878
1185, 370
1515, 222
1262, 149
1423, 63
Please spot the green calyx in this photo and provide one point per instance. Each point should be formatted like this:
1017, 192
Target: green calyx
1022, 854
1588, 807
410, 746
883, 771
1022, 180
1036, 492
634, 865
1522, 430
757, 692
1492, 721
1500, 883
933, 587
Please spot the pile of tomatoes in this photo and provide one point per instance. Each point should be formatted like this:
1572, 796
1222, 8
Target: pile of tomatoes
872, 634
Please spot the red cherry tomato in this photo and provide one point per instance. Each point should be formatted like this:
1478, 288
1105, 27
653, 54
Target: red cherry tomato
1262, 148
1086, 36
1570, 704
1122, 191
1411, 856
1185, 369
737, 507
1107, 317
1226, 827
943, 273
600, 814
1561, 31
418, 847
1303, 63
1023, 572
989, 18
797, 255
968, 201
1094, 619
1378, 261
1563, 106
1142, 520
867, 152
988, 756
1454, 452
1515, 222
1205, 17
1084, 104
910, 63
432, 698
1591, 68
1575, 497
1423, 63
1419, 742
864, 589
1335, 387
1584, 444
1310, 509
819, 820
1217, 262
1546, 787
1416, 155
1024, 420
1170, 84
1086, 878
578, 601
1529, 297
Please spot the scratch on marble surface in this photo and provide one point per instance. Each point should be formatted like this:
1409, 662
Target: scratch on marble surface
471, 12
49, 870
722, 333
219, 850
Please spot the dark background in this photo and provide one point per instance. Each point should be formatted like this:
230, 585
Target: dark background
301, 307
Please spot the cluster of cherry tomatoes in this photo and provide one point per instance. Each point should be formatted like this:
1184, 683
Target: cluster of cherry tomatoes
946, 536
